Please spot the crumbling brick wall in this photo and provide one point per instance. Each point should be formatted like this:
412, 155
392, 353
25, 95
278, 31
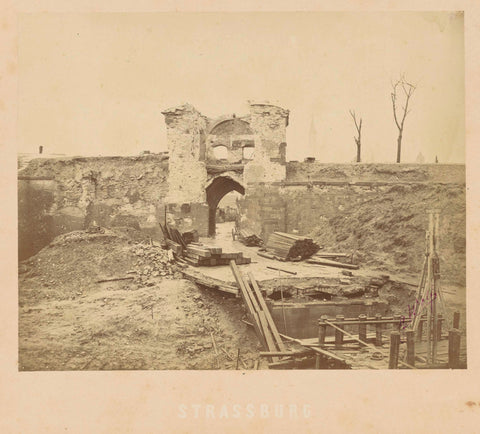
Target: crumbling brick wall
112, 191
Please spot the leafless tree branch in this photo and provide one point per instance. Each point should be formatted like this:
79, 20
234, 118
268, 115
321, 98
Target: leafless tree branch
408, 90
358, 140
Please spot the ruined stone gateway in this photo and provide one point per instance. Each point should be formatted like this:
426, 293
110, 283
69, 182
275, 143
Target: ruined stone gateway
209, 158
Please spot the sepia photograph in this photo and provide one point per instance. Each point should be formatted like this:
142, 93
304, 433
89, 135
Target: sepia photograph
241, 191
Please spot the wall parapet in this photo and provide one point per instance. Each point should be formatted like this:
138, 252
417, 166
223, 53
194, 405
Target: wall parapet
373, 172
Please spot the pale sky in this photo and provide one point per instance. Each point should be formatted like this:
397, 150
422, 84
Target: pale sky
93, 84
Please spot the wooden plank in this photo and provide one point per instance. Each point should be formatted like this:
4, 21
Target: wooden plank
164, 232
175, 247
180, 239
302, 353
266, 255
330, 263
204, 253
322, 255
231, 255
114, 279
169, 234
266, 332
261, 316
327, 353
268, 315
192, 262
280, 269
248, 303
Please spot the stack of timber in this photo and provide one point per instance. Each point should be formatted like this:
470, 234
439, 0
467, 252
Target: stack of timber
249, 238
198, 254
259, 314
325, 259
195, 253
289, 246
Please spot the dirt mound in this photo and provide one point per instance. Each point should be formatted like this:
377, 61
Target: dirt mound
388, 231
76, 261
72, 315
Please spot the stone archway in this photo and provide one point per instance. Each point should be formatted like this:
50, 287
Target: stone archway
217, 189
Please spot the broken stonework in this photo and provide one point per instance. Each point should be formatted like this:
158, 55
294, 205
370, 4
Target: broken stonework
269, 123
187, 174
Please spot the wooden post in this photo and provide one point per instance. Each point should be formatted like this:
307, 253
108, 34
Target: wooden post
338, 333
410, 347
397, 326
453, 348
456, 320
429, 288
439, 327
317, 361
420, 330
378, 331
322, 330
394, 350
362, 327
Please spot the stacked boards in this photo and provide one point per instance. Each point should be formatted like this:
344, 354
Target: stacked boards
198, 254
289, 246
195, 253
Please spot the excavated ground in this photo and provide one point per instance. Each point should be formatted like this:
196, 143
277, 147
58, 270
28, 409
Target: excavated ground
68, 320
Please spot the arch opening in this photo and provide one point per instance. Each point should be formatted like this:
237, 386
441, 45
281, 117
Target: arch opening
218, 188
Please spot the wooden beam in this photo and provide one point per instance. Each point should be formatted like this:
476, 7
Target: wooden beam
454, 349
410, 347
268, 316
330, 263
114, 279
280, 269
394, 350
246, 299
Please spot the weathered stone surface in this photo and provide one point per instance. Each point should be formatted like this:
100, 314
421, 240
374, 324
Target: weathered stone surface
83, 190
269, 123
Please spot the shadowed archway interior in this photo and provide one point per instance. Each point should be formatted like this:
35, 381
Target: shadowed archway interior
220, 186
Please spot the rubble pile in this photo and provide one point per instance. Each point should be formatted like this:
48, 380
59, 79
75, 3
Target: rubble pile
152, 261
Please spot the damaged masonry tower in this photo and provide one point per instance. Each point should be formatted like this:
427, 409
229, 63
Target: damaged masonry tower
198, 179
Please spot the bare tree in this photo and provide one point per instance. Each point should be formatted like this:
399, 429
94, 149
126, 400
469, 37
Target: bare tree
358, 140
402, 91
